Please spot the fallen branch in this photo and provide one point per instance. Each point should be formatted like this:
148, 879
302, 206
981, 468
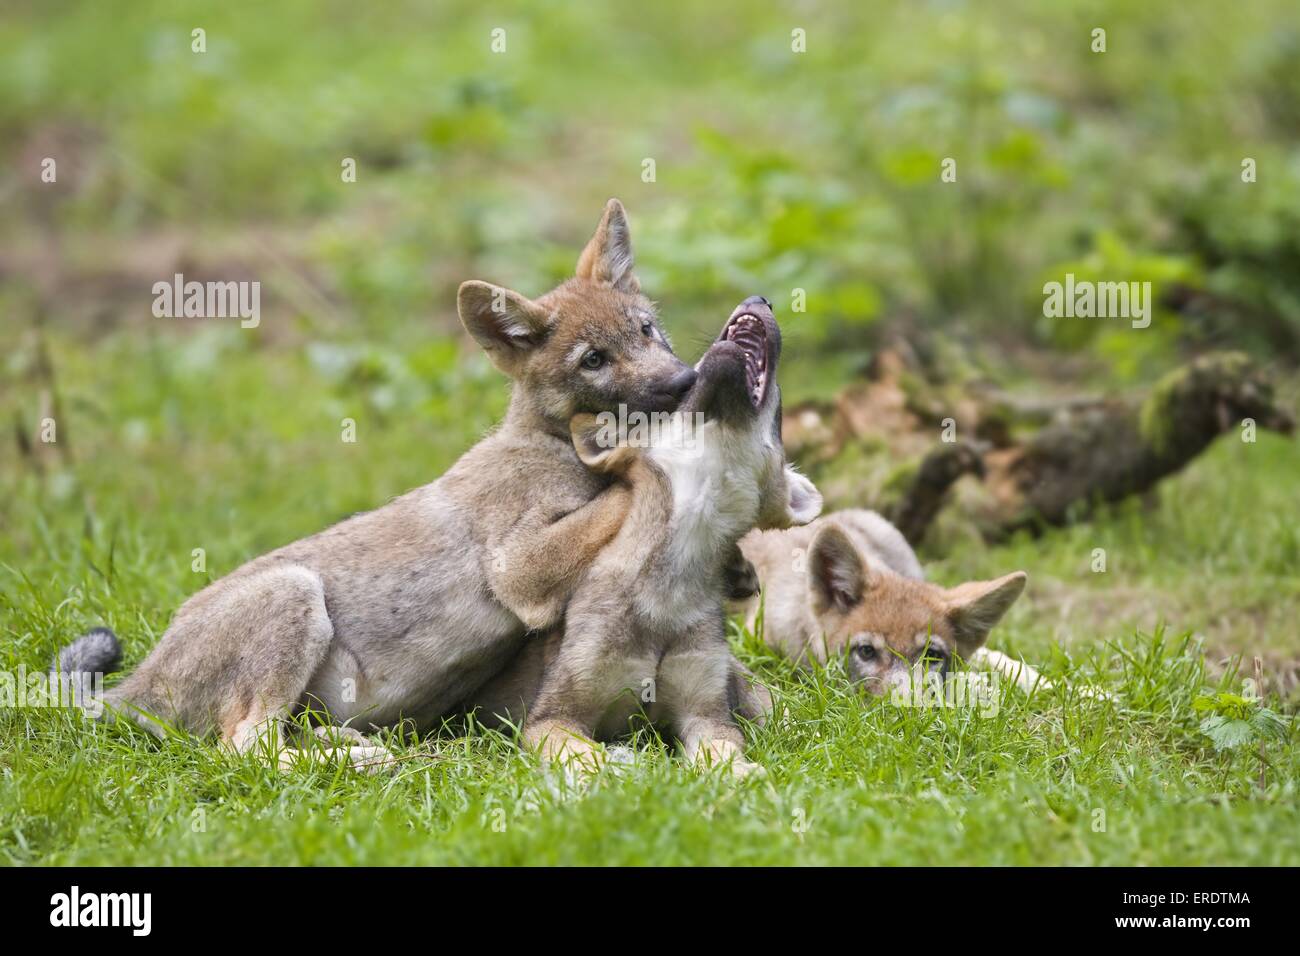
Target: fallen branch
1091, 450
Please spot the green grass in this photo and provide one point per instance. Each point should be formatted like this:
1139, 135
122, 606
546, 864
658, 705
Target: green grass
1053, 780
236, 450
775, 172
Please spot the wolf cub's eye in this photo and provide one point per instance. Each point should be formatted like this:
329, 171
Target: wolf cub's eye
593, 360
934, 658
647, 329
865, 652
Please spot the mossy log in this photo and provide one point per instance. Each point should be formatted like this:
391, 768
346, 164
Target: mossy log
1091, 450
1118, 449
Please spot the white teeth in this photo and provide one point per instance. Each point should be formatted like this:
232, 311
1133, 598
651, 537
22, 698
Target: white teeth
747, 332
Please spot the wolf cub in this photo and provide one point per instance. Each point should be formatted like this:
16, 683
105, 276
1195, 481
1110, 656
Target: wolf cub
849, 584
404, 611
645, 630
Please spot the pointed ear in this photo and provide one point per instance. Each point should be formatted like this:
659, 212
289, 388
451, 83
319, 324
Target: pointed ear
974, 607
804, 501
837, 577
608, 256
506, 324
599, 444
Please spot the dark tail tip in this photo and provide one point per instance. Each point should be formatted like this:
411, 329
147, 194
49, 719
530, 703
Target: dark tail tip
96, 652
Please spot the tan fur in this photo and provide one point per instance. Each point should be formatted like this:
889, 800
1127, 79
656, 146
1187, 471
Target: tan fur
405, 611
644, 631
849, 585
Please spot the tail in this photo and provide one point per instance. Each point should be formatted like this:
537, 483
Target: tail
95, 652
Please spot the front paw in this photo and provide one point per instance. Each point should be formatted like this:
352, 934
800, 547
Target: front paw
740, 578
726, 756
567, 748
740, 769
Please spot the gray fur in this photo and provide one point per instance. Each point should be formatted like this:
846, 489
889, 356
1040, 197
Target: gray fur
645, 629
404, 611
95, 652
387, 615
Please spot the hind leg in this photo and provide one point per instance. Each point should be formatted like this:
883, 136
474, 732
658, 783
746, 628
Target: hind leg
286, 649
355, 747
236, 660
266, 634
700, 687
237, 654
750, 698
327, 746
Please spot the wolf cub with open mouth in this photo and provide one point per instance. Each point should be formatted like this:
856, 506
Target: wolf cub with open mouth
645, 629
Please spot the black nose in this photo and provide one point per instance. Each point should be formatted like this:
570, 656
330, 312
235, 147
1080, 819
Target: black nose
681, 383
755, 300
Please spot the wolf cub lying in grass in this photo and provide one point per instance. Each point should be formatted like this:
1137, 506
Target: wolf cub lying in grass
849, 584
645, 630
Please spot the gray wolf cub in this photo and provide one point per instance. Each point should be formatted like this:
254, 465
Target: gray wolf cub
645, 629
405, 611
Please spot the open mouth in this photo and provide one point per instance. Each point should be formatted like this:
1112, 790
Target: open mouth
750, 334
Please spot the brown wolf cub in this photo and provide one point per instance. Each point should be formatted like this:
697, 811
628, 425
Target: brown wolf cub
645, 630
849, 584
404, 611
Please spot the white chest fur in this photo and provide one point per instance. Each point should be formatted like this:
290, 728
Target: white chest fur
716, 473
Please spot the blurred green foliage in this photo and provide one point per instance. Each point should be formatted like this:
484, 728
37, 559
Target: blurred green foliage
775, 170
